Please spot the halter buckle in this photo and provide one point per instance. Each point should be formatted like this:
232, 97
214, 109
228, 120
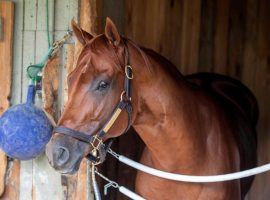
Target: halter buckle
124, 96
127, 68
96, 143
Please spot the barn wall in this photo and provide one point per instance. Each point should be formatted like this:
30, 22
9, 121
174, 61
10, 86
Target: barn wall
37, 179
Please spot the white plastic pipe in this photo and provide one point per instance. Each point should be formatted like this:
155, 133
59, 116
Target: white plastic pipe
194, 179
130, 194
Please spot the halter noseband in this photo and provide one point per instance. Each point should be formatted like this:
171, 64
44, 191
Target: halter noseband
99, 151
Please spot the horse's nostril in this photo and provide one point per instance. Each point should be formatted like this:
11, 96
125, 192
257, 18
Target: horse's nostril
62, 155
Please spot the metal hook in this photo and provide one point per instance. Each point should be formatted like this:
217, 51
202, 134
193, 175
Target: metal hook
108, 185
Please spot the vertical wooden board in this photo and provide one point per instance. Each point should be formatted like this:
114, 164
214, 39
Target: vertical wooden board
16, 96
134, 23
41, 45
145, 22
190, 36
29, 41
62, 15
171, 32
7, 15
46, 181
26, 180
220, 57
3, 168
81, 190
113, 9
42, 15
206, 41
12, 190
30, 15
250, 48
236, 38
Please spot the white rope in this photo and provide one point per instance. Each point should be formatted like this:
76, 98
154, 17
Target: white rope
189, 178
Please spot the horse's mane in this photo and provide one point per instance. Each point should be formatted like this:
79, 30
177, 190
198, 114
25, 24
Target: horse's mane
100, 45
165, 63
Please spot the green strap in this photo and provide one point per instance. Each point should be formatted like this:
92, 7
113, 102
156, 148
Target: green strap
33, 70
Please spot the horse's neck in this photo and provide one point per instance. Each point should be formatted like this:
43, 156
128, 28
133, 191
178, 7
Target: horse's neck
166, 107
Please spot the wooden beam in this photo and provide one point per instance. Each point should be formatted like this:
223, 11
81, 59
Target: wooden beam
7, 15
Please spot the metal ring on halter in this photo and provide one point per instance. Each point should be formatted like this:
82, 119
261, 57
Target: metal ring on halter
122, 94
126, 72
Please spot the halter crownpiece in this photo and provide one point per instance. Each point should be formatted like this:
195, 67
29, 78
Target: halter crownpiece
99, 151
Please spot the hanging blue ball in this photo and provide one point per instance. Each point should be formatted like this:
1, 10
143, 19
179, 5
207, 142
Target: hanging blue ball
25, 129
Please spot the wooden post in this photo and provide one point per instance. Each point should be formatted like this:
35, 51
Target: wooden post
6, 12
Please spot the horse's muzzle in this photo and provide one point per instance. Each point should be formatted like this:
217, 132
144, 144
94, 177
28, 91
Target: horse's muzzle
65, 153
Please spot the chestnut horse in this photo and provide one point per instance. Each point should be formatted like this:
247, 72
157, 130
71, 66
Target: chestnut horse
202, 124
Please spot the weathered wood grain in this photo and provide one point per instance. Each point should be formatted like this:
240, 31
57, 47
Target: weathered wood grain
7, 14
12, 190
221, 36
208, 8
3, 167
50, 86
237, 17
190, 36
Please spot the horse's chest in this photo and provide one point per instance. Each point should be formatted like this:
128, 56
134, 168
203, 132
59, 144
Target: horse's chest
151, 187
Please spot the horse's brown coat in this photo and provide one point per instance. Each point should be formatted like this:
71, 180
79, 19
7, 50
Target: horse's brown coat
185, 127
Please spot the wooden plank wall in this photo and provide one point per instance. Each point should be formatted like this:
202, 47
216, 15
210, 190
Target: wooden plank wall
37, 179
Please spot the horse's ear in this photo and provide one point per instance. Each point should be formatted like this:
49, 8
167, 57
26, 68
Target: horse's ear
80, 34
111, 32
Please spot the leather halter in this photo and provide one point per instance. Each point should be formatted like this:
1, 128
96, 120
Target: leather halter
99, 151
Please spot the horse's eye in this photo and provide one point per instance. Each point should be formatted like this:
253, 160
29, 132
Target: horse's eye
102, 85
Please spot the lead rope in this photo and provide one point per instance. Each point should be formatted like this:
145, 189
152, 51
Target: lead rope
94, 183
113, 184
190, 178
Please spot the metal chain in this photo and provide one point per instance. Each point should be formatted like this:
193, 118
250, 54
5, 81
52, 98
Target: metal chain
59, 43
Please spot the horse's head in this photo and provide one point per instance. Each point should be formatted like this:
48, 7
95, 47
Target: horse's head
94, 90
